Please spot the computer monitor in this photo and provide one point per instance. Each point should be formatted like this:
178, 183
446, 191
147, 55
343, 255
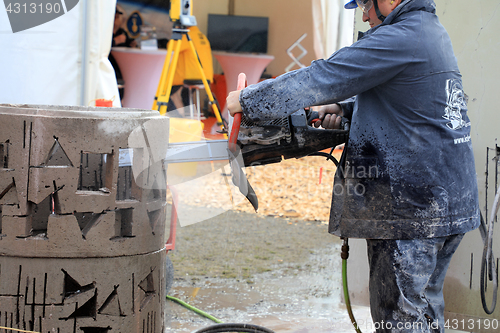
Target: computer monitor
234, 33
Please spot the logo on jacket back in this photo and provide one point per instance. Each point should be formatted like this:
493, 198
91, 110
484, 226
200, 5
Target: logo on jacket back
456, 101
26, 14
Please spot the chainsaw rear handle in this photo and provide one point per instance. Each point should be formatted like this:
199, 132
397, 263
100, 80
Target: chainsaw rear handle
313, 116
235, 129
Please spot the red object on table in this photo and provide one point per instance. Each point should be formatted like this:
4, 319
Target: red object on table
104, 103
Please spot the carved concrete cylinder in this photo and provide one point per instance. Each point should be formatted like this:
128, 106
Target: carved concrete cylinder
82, 219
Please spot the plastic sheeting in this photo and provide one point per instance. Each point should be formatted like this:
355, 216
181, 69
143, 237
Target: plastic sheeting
60, 62
333, 26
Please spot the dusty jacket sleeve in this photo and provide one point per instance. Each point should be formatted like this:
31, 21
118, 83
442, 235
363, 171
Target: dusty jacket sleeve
369, 62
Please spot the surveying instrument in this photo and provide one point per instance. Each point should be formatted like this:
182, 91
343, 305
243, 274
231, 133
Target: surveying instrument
182, 18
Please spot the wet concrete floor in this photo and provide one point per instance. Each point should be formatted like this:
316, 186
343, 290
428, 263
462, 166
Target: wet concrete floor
299, 291
283, 301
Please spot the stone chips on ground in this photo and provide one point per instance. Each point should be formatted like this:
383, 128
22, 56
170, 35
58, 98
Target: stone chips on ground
295, 188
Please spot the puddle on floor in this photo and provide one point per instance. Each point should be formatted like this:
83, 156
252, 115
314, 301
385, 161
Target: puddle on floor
295, 301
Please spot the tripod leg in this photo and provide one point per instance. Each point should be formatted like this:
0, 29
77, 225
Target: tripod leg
207, 86
164, 89
164, 71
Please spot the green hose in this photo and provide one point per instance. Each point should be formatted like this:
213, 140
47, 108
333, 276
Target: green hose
344, 255
192, 308
221, 326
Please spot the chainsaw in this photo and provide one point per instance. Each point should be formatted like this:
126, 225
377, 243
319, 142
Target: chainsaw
289, 137
261, 143
266, 142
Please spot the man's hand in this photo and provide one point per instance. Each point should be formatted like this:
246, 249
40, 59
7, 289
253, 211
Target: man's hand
329, 116
233, 102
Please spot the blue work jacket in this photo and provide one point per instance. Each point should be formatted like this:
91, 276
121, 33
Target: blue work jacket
408, 170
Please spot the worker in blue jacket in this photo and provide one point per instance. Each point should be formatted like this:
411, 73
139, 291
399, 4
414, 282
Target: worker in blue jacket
408, 182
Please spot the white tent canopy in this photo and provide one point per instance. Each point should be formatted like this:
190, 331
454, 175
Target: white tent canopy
333, 27
63, 61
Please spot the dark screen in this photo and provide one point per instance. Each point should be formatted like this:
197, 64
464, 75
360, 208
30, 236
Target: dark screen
233, 33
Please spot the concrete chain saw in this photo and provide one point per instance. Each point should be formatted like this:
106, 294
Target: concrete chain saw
260, 143
265, 142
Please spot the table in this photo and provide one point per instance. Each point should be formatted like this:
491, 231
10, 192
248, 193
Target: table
233, 64
251, 64
141, 70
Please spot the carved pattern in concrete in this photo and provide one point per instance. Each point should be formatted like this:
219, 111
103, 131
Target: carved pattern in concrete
82, 219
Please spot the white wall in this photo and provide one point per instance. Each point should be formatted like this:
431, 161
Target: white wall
288, 20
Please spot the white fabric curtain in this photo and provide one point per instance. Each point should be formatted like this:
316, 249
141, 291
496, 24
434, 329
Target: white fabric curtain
100, 81
333, 26
60, 62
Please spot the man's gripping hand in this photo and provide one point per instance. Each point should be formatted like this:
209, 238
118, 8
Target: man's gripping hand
233, 102
330, 116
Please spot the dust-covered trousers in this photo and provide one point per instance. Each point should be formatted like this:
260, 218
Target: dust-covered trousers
406, 282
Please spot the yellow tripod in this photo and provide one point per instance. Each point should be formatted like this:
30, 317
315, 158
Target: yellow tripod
167, 75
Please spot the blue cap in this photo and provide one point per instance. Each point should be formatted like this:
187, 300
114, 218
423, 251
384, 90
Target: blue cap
351, 5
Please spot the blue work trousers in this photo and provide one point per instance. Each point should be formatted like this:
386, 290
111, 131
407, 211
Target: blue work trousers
406, 283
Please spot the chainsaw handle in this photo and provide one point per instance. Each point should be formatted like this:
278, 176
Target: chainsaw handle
313, 116
235, 129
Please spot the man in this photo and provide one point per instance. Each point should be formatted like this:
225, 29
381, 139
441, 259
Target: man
408, 181
120, 38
